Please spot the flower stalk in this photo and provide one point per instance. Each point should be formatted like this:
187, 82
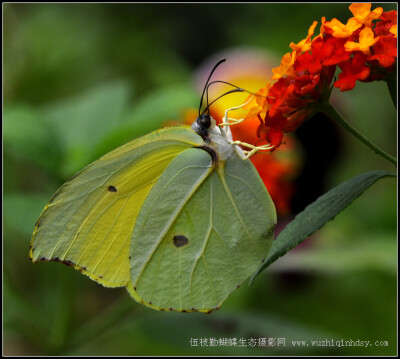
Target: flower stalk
333, 113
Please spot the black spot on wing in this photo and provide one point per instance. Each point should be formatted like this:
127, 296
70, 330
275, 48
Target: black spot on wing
112, 189
180, 241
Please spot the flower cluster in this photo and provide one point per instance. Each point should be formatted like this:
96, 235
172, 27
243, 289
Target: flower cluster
364, 49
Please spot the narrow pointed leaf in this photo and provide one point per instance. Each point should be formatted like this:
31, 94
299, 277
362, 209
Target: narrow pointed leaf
320, 212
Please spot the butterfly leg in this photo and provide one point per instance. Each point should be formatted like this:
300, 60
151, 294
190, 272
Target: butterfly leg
253, 149
226, 121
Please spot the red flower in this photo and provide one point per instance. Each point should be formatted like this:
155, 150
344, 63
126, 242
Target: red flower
277, 171
308, 62
278, 94
306, 85
385, 51
385, 23
364, 48
352, 70
337, 52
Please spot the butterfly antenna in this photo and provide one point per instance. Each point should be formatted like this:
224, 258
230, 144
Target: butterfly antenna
206, 85
208, 106
226, 93
237, 89
230, 84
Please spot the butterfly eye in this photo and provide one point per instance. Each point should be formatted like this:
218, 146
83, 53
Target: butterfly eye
204, 121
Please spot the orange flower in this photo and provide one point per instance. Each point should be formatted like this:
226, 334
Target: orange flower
258, 103
393, 30
322, 28
340, 30
286, 67
305, 75
362, 12
366, 40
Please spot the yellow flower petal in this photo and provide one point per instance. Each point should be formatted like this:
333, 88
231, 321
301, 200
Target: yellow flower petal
362, 12
340, 30
393, 30
366, 40
286, 67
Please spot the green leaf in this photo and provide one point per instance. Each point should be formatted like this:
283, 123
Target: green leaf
148, 114
162, 106
21, 210
28, 139
320, 212
82, 122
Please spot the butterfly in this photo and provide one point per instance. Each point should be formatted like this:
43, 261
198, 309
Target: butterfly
179, 217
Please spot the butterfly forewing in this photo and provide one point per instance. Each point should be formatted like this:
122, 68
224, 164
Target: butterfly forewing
89, 221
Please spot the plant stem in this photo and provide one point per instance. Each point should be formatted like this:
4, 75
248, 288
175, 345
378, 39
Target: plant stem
331, 111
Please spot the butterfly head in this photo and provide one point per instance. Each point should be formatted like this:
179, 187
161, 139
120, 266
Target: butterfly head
205, 125
202, 126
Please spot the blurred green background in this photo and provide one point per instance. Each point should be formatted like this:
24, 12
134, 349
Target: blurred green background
81, 79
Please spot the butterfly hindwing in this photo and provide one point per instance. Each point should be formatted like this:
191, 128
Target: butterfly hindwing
204, 228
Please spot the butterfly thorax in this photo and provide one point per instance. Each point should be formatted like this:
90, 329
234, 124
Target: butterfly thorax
218, 138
